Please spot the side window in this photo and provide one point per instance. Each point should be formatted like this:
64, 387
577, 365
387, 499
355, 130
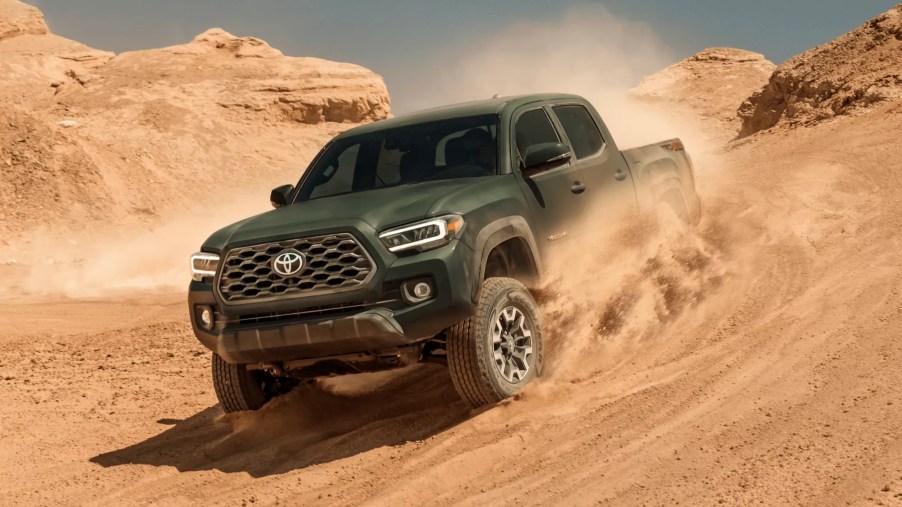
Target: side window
388, 167
338, 177
581, 129
532, 128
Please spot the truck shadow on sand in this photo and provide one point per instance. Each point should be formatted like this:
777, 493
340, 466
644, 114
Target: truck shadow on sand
313, 424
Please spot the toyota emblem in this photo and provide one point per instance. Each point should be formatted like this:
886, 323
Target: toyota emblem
288, 262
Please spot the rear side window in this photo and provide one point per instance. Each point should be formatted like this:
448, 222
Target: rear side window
581, 129
534, 127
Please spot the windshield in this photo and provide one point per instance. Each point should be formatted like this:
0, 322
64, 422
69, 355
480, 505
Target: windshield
454, 148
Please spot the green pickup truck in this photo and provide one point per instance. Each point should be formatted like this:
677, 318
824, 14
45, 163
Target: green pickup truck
416, 239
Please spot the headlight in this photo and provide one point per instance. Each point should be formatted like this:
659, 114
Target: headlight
203, 265
424, 235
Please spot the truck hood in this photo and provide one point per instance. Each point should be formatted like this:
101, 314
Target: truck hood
379, 209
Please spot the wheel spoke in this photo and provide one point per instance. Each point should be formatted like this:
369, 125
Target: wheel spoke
507, 371
518, 323
520, 356
512, 344
509, 316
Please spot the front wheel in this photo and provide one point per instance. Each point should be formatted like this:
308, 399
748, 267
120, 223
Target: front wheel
498, 350
239, 388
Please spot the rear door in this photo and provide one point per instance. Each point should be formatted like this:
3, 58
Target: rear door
554, 195
609, 185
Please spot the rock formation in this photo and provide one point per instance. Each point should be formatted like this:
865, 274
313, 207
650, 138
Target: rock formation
247, 77
845, 76
84, 133
17, 18
712, 84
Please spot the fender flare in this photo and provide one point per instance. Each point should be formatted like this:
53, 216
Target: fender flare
662, 184
498, 232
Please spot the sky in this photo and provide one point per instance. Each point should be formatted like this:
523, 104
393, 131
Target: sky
421, 47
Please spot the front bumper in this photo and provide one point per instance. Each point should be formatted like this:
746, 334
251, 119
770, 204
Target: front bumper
368, 327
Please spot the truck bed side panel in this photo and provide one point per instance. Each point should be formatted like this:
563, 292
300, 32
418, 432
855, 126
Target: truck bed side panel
663, 172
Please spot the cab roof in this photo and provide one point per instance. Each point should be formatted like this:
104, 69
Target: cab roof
475, 108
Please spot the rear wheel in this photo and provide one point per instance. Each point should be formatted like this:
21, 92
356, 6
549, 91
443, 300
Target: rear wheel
672, 205
238, 388
498, 350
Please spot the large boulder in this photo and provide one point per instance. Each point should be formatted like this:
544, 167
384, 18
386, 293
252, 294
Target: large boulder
17, 19
33, 61
845, 76
712, 84
244, 76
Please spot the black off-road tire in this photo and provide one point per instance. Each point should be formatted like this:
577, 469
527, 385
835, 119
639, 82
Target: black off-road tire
238, 388
475, 371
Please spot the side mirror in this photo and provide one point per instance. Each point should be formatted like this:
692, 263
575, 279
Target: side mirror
543, 156
280, 195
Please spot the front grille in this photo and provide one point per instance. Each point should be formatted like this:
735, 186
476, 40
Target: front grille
333, 263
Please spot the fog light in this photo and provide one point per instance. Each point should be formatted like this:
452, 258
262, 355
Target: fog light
422, 290
416, 291
206, 317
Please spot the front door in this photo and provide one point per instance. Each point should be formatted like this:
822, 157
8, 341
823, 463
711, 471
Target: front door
554, 195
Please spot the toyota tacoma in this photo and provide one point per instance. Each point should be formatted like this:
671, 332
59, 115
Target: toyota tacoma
417, 239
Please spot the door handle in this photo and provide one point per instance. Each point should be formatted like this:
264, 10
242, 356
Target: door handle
620, 175
578, 187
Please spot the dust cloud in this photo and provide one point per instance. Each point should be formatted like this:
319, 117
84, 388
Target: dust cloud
588, 51
150, 257
607, 291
